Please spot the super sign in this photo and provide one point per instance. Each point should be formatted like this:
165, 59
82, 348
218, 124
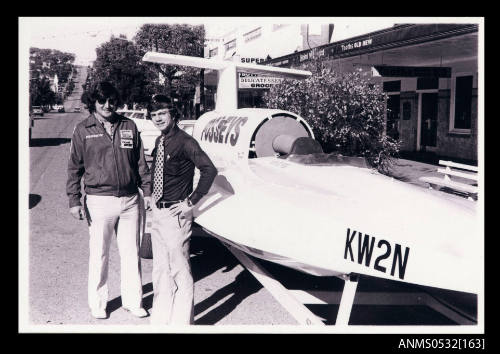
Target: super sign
223, 130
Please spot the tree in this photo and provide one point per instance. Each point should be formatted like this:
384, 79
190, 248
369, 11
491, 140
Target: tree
70, 87
46, 63
346, 111
179, 81
119, 61
59, 98
51, 62
40, 92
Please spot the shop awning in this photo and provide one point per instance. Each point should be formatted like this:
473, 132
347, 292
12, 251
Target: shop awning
412, 71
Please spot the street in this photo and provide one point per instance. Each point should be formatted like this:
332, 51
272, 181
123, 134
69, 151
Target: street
225, 293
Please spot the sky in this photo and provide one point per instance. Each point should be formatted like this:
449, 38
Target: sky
82, 35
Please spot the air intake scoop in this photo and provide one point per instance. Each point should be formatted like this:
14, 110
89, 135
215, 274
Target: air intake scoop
289, 144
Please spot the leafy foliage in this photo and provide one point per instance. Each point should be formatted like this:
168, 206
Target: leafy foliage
50, 62
45, 63
40, 92
70, 87
181, 39
346, 111
119, 61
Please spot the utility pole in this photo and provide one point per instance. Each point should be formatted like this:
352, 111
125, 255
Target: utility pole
32, 121
200, 104
30, 89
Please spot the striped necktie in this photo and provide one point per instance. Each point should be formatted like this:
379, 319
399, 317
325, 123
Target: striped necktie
158, 176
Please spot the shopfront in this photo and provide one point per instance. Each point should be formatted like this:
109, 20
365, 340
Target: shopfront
251, 88
429, 73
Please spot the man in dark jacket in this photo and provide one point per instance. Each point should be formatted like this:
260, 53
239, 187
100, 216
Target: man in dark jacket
176, 155
107, 151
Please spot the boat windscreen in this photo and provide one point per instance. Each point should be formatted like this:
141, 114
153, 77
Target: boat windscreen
333, 159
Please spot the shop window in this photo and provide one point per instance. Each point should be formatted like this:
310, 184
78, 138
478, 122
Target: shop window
213, 52
392, 86
393, 116
209, 99
230, 45
461, 118
427, 83
406, 110
252, 35
250, 99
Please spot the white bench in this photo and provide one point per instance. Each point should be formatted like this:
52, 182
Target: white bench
446, 181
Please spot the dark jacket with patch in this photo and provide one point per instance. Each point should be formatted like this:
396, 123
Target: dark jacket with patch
112, 166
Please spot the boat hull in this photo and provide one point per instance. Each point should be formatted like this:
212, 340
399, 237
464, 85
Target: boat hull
350, 220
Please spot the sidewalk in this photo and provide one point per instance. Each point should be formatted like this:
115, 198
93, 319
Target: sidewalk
410, 171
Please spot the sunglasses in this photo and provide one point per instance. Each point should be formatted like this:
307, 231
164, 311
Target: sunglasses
111, 101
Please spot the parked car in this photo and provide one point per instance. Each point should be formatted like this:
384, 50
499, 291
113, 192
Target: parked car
32, 124
140, 118
77, 109
37, 111
59, 108
148, 138
187, 125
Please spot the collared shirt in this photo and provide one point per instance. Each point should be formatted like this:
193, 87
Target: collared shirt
182, 154
108, 126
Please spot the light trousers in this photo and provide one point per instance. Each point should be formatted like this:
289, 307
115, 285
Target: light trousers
172, 280
114, 216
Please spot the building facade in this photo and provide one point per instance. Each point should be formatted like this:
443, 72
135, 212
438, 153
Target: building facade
430, 73
258, 43
261, 41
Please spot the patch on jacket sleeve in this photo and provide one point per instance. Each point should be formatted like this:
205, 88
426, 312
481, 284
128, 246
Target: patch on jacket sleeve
126, 134
126, 143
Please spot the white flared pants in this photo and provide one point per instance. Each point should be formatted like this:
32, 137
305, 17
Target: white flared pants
114, 216
172, 280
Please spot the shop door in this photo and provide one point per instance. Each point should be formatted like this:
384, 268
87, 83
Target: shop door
429, 119
393, 116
